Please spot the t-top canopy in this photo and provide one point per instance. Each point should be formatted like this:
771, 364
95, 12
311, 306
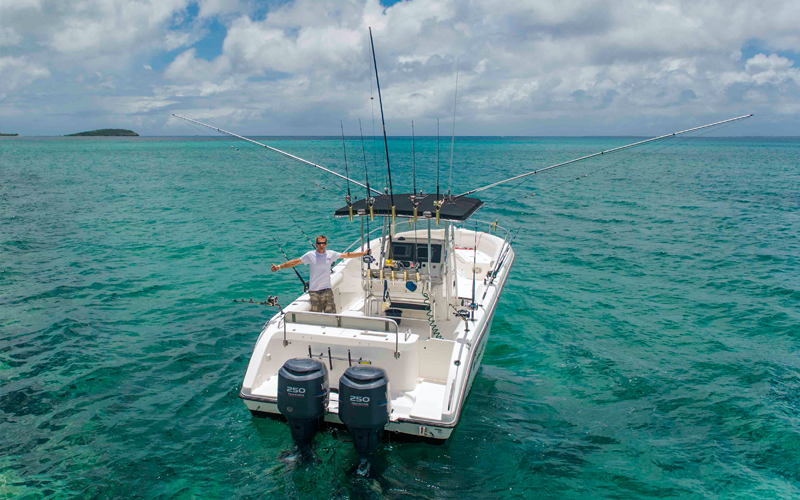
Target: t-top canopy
459, 209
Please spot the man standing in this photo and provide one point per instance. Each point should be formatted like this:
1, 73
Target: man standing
319, 282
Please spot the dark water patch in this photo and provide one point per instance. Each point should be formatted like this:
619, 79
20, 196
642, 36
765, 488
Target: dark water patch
25, 401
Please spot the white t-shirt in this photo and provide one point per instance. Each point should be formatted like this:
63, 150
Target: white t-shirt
319, 265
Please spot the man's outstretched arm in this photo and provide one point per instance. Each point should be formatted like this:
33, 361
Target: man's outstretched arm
286, 265
353, 255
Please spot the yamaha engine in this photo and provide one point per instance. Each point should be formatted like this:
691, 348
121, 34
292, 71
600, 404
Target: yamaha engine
303, 396
364, 405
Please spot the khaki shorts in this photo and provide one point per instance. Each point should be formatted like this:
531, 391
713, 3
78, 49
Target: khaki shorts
322, 301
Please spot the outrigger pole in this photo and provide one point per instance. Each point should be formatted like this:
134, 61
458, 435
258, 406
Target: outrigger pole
601, 153
274, 149
383, 122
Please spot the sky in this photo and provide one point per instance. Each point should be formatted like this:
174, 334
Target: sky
523, 68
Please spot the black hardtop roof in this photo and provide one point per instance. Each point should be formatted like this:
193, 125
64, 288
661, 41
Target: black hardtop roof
459, 209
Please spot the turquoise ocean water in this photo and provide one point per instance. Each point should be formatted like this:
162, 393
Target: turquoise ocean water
646, 346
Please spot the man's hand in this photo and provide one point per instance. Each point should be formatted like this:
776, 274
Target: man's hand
274, 268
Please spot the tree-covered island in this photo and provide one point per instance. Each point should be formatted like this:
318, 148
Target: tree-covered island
106, 132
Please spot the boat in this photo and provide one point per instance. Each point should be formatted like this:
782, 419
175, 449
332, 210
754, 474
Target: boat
421, 312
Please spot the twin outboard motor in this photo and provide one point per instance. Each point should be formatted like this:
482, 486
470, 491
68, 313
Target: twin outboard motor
303, 396
364, 405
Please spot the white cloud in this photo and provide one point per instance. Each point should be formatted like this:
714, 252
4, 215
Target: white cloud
102, 26
104, 32
304, 64
187, 66
210, 8
763, 69
133, 105
18, 72
9, 37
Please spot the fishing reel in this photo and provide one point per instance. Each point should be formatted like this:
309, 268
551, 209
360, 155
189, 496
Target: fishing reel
349, 203
469, 305
272, 301
465, 314
437, 204
368, 259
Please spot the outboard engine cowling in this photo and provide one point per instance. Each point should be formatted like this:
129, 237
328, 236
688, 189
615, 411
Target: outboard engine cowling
364, 405
303, 396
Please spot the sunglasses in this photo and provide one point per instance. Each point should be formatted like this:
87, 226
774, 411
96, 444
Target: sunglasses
322, 243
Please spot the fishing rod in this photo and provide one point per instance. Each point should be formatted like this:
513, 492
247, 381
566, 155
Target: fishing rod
474, 265
667, 136
305, 284
453, 140
383, 122
493, 272
273, 149
437, 159
413, 196
370, 199
304, 233
413, 162
437, 203
347, 198
372, 111
272, 300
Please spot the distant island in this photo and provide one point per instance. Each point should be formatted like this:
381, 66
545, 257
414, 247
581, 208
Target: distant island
114, 132
9, 135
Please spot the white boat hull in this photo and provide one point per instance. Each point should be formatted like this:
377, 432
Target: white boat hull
430, 378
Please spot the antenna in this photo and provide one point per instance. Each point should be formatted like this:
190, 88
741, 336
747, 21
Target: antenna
453, 140
383, 122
